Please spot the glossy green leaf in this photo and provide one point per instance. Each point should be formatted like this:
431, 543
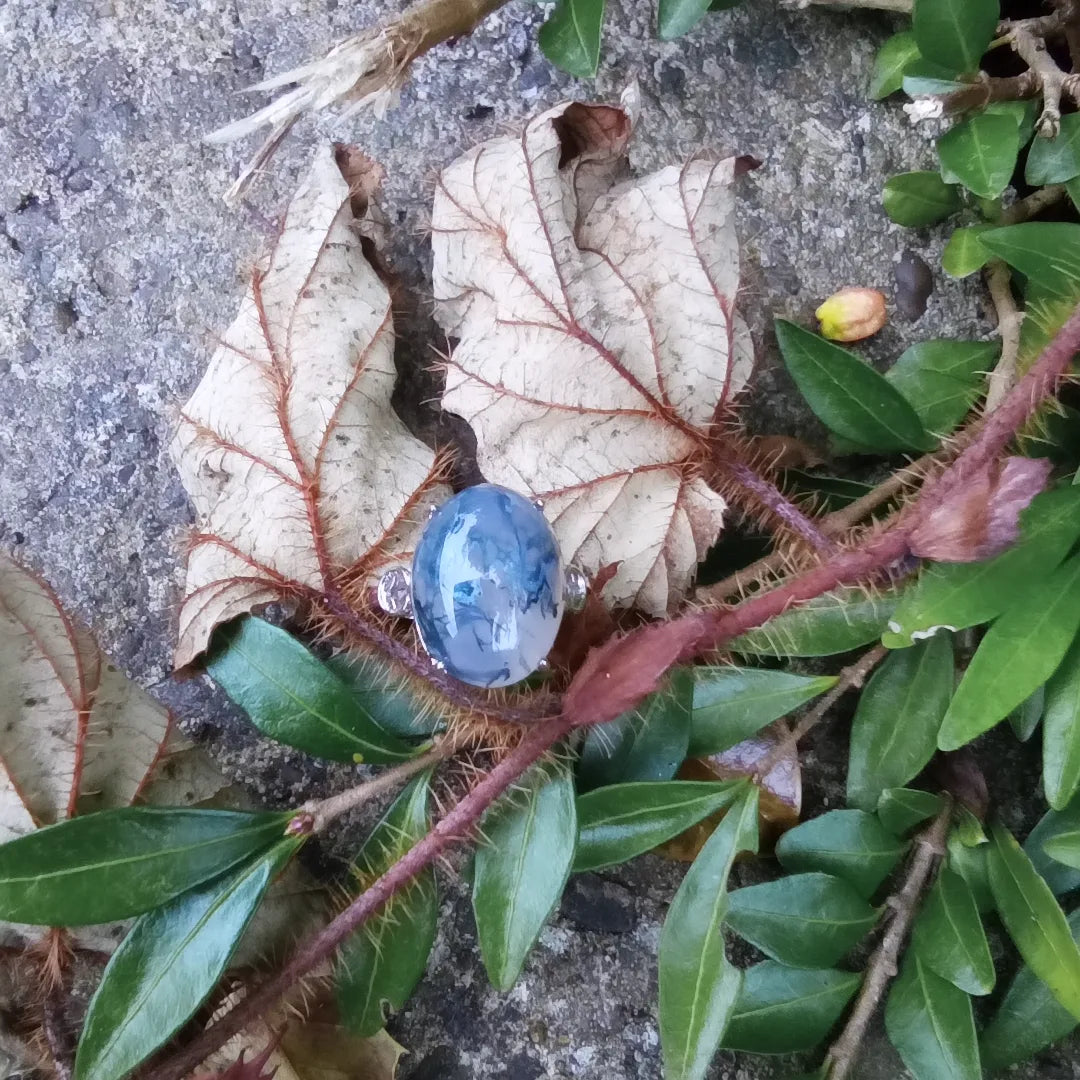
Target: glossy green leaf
901, 809
1034, 919
802, 920
1045, 251
970, 864
570, 38
964, 252
386, 697
942, 379
623, 821
1053, 824
1028, 1019
958, 595
837, 622
678, 17
698, 986
1056, 160
521, 869
119, 863
1024, 113
383, 961
893, 58
980, 153
295, 699
851, 844
949, 938
848, 395
930, 1023
1019, 652
915, 199
168, 965
1061, 731
783, 1010
648, 744
954, 33
733, 703
894, 733
1024, 719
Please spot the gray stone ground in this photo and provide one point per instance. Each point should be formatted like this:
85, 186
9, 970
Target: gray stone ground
119, 261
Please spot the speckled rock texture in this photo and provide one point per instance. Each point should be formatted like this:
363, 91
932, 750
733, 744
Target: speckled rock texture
119, 262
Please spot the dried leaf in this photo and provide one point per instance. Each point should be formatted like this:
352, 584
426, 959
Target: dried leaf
302, 476
597, 339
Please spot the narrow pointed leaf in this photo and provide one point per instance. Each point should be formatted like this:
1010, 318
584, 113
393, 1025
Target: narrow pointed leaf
916, 199
521, 869
1024, 719
698, 987
1061, 731
167, 965
120, 863
1018, 654
971, 864
620, 822
1034, 919
570, 38
980, 153
1056, 160
733, 703
963, 253
901, 809
1047, 252
851, 844
783, 1010
954, 33
802, 920
894, 733
295, 699
899, 52
847, 395
1053, 824
949, 937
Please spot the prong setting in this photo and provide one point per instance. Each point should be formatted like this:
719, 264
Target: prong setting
394, 594
575, 588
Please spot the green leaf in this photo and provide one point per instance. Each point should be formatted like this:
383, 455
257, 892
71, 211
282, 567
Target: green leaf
647, 744
894, 733
1054, 824
1061, 731
521, 869
119, 863
1045, 251
930, 1023
570, 38
1056, 160
623, 821
970, 864
851, 844
678, 17
782, 1010
980, 153
386, 697
830, 492
964, 252
1024, 113
1073, 188
837, 622
847, 395
1028, 1020
384, 960
802, 920
955, 33
958, 595
916, 199
949, 937
167, 966
1025, 718
733, 703
698, 987
1018, 654
1034, 919
295, 699
892, 59
942, 379
901, 809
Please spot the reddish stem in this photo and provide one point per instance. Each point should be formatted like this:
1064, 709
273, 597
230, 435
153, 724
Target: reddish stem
780, 506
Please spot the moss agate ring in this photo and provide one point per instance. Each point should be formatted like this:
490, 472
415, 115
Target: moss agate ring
487, 588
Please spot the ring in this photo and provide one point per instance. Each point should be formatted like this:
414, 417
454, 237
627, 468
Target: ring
487, 588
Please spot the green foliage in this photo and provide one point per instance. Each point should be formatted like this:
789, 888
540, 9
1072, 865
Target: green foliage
1061, 731
892, 60
964, 253
698, 985
1054, 824
916, 199
847, 395
894, 733
802, 920
385, 959
970, 863
570, 38
851, 844
168, 965
733, 703
294, 698
120, 863
1056, 160
954, 33
678, 17
521, 870
1024, 719
901, 809
980, 153
617, 823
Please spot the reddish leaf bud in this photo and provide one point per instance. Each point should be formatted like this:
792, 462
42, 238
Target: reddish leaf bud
852, 314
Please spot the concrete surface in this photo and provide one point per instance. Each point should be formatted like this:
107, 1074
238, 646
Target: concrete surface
119, 262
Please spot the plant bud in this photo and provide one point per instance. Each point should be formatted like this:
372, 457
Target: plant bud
852, 314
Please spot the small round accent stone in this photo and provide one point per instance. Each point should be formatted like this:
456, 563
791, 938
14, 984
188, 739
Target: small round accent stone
487, 586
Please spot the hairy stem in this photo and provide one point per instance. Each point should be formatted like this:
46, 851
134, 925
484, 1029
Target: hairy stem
902, 908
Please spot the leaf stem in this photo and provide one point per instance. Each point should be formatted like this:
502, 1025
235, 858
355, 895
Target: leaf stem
901, 909
999, 283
